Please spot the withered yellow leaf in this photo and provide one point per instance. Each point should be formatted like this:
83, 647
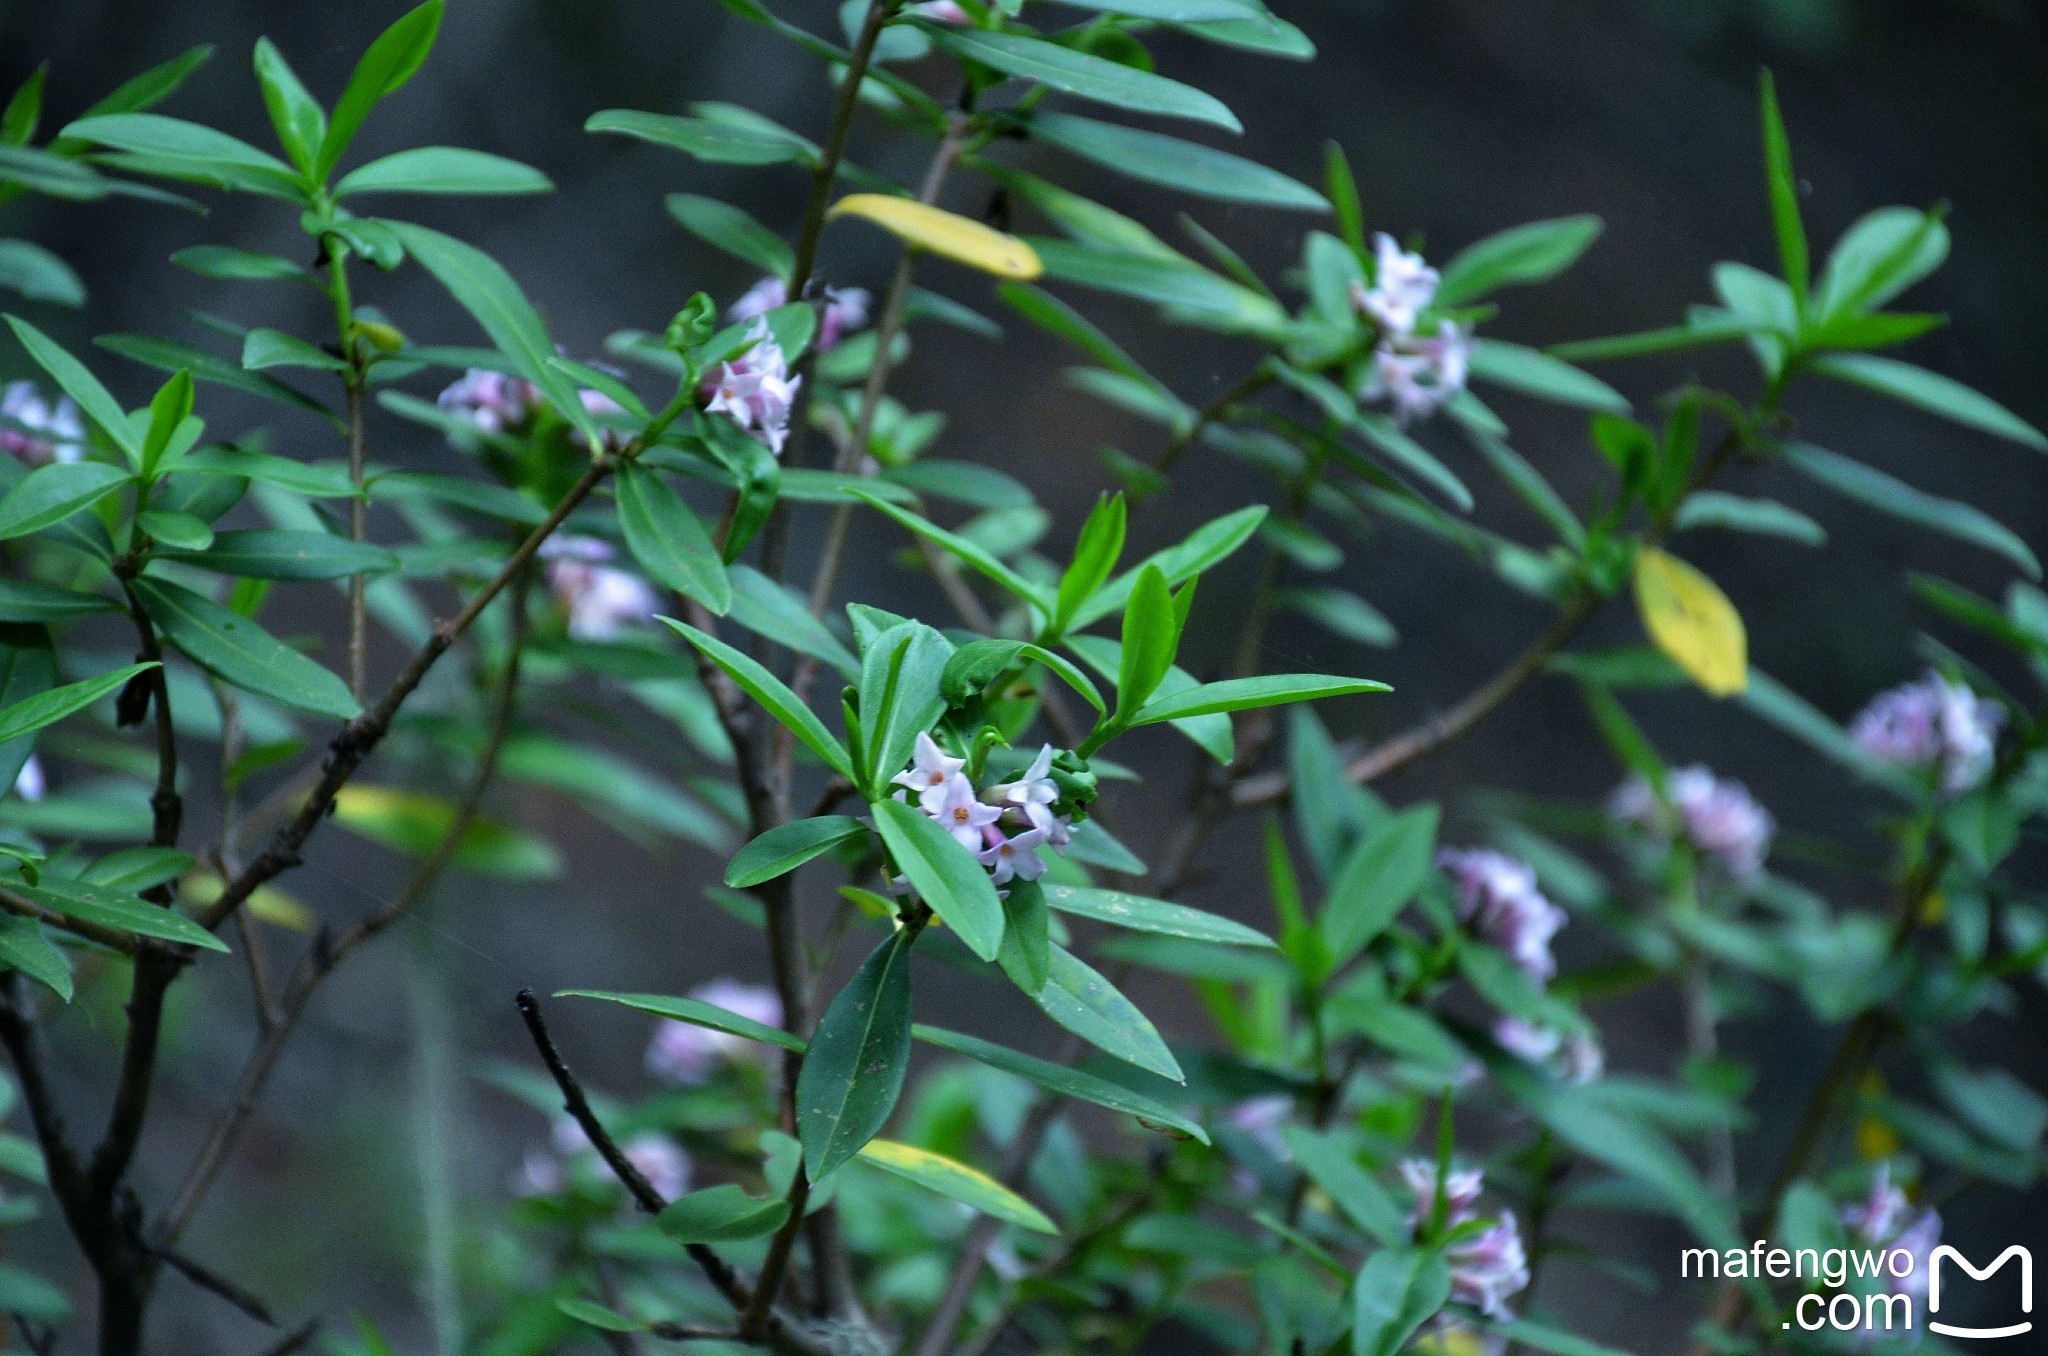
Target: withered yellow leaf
943, 232
1692, 622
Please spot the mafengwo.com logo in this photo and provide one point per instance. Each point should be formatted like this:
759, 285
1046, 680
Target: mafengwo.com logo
1875, 1289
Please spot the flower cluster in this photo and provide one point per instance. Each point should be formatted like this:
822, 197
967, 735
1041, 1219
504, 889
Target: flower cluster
545, 1172
1003, 825
492, 401
846, 308
1498, 900
1487, 1267
1934, 725
599, 600
1884, 1221
1716, 815
36, 431
1417, 369
683, 1053
755, 389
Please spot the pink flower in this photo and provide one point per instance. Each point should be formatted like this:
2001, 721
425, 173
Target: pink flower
1015, 857
941, 12
846, 309
1033, 795
36, 432
1576, 1058
1933, 725
1402, 288
600, 601
1884, 1220
1487, 1267
603, 408
665, 1166
683, 1052
1498, 900
931, 774
1262, 1119
755, 389
1717, 816
492, 401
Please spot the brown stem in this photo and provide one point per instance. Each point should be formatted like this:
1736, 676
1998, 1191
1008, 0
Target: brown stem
358, 530
827, 170
1253, 382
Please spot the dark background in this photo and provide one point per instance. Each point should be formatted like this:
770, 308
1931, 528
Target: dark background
1461, 117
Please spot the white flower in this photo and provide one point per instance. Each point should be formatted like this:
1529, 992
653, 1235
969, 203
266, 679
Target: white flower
1576, 1058
30, 783
1487, 1267
930, 774
1402, 288
961, 814
600, 601
1933, 724
683, 1052
37, 432
1034, 794
492, 401
755, 389
1418, 375
1014, 857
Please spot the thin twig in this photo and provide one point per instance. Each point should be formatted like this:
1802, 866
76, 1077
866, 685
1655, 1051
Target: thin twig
827, 170
207, 1279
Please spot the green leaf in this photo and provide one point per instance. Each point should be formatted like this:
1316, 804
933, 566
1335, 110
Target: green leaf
154, 85
47, 708
488, 293
1061, 1079
169, 355
50, 494
853, 1073
963, 482
765, 688
1398, 1290
271, 348
1140, 914
178, 149
583, 1311
82, 386
238, 651
1173, 163
779, 613
1331, 1166
1532, 253
1182, 286
179, 531
1932, 392
1244, 694
721, 1214
1784, 187
980, 662
716, 142
696, 1013
1879, 257
1205, 547
1765, 517
1695, 333
901, 695
25, 602
788, 846
944, 874
1095, 556
1533, 372
1778, 704
1151, 635
390, 61
732, 230
168, 410
443, 169
954, 1179
300, 123
221, 261
1081, 75
1384, 871
1175, 11
23, 947
1088, 1005
965, 551
116, 909
665, 535
1538, 1337
1874, 489
39, 275
1026, 955
415, 823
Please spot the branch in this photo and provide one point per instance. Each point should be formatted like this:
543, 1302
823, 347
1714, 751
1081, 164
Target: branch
780, 1333
207, 1279
1253, 382
827, 171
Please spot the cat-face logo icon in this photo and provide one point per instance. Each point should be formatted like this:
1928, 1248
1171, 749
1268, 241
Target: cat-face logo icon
2026, 1290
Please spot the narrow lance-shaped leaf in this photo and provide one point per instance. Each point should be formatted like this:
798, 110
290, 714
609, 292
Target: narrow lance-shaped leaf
1784, 189
47, 708
952, 1178
82, 386
1082, 75
1090, 1006
721, 1214
1062, 1079
696, 1013
1244, 694
944, 874
765, 688
50, 494
956, 237
788, 846
1397, 1291
853, 1073
665, 535
385, 67
240, 652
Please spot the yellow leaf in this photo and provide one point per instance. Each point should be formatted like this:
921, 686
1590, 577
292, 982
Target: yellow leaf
1692, 622
200, 888
950, 1177
942, 232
